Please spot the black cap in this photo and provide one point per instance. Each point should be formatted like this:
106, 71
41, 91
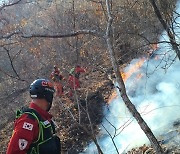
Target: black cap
42, 88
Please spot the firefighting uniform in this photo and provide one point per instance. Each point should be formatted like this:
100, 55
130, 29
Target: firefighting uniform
57, 77
73, 79
33, 133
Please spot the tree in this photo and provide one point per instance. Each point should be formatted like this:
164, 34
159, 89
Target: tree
49, 32
122, 88
167, 28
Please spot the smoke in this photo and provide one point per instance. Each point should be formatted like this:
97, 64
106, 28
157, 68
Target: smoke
156, 97
154, 89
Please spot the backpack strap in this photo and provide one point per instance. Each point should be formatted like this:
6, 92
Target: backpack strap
72, 71
32, 114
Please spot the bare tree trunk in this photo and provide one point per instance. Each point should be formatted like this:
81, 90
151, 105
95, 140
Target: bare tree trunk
76, 37
91, 134
122, 88
166, 28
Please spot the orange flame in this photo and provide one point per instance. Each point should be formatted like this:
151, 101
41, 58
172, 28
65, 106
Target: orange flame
126, 75
134, 68
113, 96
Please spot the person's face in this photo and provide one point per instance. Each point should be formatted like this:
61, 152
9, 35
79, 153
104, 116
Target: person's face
48, 106
49, 102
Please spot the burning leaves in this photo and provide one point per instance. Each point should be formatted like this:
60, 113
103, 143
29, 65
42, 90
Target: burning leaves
133, 69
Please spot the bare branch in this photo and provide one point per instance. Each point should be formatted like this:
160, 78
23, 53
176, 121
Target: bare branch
6, 44
94, 1
11, 62
71, 34
11, 76
121, 86
17, 76
7, 5
15, 93
112, 137
9, 35
83, 127
166, 27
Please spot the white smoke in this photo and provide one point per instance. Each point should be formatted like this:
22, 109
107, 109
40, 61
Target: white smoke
157, 99
156, 96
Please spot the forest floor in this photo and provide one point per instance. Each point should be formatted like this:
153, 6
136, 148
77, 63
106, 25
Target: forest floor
99, 91
96, 90
169, 141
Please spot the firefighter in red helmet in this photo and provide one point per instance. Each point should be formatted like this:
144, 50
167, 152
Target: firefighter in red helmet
57, 79
73, 80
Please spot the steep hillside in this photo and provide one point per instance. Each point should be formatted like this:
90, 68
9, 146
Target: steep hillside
75, 118
170, 141
136, 33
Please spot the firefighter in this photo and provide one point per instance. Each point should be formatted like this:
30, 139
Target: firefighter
73, 80
57, 78
75, 71
55, 75
34, 129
